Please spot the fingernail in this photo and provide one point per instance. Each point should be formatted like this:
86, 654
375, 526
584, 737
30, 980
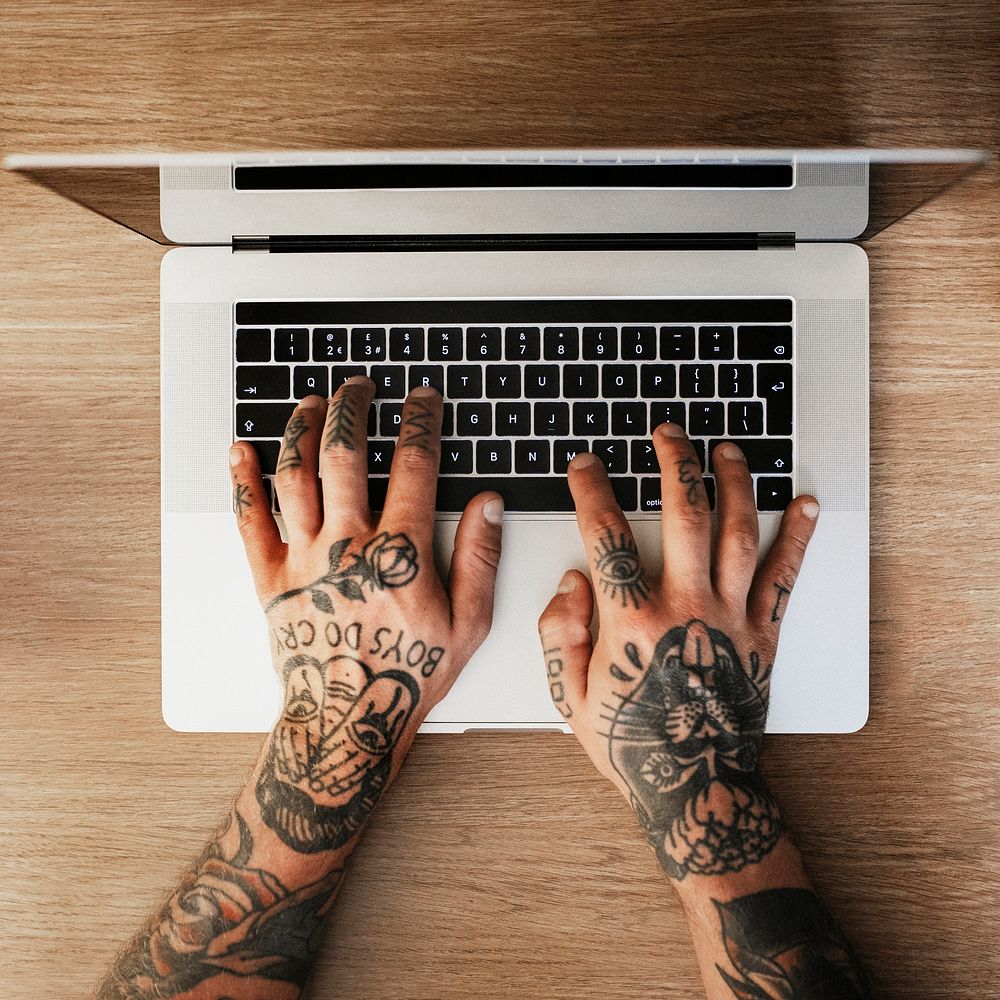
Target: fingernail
236, 454
811, 509
730, 451
493, 510
584, 460
312, 402
567, 583
424, 390
670, 429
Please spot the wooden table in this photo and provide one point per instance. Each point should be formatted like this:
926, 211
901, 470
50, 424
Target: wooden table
500, 866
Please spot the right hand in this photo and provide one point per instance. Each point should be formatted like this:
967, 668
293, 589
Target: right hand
670, 701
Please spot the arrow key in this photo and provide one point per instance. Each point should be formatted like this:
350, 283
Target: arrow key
773, 492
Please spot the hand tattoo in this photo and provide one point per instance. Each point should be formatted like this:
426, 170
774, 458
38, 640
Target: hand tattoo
418, 427
340, 422
291, 456
242, 499
685, 742
621, 573
784, 945
557, 690
777, 611
688, 475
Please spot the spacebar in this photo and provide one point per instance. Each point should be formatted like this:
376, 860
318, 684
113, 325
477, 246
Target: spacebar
520, 493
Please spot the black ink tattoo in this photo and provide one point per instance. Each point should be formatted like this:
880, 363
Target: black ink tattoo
340, 422
777, 611
227, 919
242, 499
291, 456
686, 743
331, 754
384, 561
621, 573
784, 945
633, 657
554, 668
689, 475
418, 427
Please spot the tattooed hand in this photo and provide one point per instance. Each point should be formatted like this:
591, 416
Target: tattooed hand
670, 701
364, 635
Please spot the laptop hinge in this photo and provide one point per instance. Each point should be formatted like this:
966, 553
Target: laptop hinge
514, 241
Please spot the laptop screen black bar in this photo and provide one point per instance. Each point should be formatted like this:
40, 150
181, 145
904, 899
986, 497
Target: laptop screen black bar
369, 176
526, 311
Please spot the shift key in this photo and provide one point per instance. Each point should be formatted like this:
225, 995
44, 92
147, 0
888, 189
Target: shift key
768, 455
262, 420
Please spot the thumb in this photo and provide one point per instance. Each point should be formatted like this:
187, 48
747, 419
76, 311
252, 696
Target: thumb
566, 641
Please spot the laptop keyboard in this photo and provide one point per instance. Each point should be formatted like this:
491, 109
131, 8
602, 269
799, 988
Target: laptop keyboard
529, 383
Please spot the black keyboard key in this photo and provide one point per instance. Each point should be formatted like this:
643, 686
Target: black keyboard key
706, 418
406, 343
311, 380
745, 419
531, 457
493, 457
368, 343
267, 453
475, 419
661, 413
626, 490
697, 381
638, 343
658, 381
677, 342
291, 345
444, 343
513, 419
503, 382
456, 457
448, 419
619, 381
649, 495
715, 343
427, 375
390, 381
644, 457
614, 455
253, 345
764, 343
341, 373
709, 482
541, 381
465, 381
262, 419
590, 419
581, 381
551, 419
523, 343
390, 416
767, 455
628, 419
380, 457
262, 382
600, 343
735, 380
774, 492
563, 452
483, 343
774, 384
520, 493
378, 487
330, 343
699, 449
562, 343
268, 492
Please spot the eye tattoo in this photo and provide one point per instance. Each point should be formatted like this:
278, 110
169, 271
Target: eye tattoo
621, 572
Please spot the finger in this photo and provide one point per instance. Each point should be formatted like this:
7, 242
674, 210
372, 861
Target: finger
473, 573
614, 559
343, 458
264, 548
295, 477
413, 476
567, 643
772, 586
686, 522
738, 531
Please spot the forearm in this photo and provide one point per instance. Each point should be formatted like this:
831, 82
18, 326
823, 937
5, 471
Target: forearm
246, 920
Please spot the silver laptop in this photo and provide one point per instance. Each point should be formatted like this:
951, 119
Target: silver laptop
562, 300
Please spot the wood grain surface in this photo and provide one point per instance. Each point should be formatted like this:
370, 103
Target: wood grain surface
499, 866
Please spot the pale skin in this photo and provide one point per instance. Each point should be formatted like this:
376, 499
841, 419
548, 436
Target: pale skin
366, 639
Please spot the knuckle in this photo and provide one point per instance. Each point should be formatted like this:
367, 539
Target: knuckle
338, 455
743, 539
410, 456
607, 522
785, 576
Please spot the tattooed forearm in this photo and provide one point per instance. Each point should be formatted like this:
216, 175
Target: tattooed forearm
291, 456
685, 742
777, 611
385, 561
688, 475
419, 426
229, 922
621, 572
554, 669
340, 422
784, 945
242, 498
